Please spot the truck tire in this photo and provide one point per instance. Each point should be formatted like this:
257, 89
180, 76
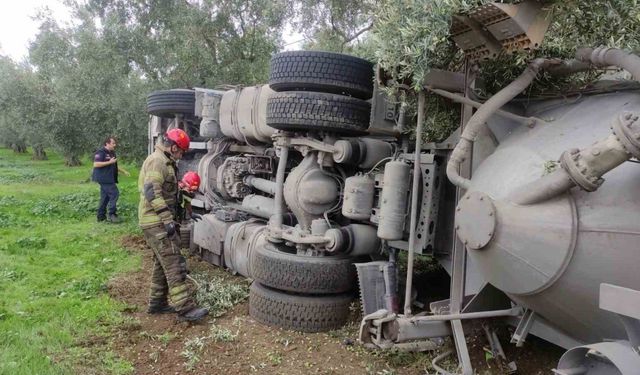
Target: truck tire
168, 103
315, 111
303, 274
321, 71
298, 312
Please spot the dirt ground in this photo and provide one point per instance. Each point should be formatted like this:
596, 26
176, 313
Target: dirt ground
161, 345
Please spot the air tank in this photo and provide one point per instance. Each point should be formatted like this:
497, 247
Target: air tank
358, 197
393, 200
551, 257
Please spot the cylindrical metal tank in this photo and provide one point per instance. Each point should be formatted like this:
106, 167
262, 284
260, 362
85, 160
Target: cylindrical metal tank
552, 257
358, 197
259, 203
243, 114
363, 152
393, 200
241, 239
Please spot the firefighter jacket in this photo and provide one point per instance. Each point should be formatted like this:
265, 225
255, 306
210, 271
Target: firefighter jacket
158, 187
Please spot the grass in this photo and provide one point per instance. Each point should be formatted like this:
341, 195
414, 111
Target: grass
55, 261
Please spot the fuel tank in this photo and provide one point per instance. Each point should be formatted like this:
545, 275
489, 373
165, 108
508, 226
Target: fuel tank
552, 256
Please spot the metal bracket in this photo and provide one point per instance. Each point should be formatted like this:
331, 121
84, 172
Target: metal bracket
312, 144
522, 330
371, 334
625, 303
492, 28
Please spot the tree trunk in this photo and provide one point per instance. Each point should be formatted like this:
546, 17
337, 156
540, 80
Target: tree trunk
72, 161
39, 153
19, 147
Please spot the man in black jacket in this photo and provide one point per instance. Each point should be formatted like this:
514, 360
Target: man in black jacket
105, 173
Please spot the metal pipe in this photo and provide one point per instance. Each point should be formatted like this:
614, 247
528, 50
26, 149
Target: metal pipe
543, 189
279, 201
569, 67
414, 204
605, 56
401, 127
463, 100
515, 311
391, 282
555, 66
604, 155
463, 148
585, 168
261, 184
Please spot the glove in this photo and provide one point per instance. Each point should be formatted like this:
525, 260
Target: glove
196, 217
171, 228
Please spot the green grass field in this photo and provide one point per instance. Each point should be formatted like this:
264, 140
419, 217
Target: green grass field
55, 261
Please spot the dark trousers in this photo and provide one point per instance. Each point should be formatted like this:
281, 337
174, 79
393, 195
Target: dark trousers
109, 194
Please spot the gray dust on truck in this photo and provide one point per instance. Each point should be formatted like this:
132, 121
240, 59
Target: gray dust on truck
312, 186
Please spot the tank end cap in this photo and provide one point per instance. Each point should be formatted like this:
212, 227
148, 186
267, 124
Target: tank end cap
476, 220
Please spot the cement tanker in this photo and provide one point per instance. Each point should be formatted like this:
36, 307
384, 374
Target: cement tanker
312, 188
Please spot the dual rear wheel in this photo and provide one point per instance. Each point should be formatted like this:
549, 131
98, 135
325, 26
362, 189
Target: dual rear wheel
320, 91
298, 292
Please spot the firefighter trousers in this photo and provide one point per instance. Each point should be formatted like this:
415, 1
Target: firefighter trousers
169, 271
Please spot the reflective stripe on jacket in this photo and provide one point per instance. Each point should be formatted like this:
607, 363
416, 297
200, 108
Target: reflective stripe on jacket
158, 188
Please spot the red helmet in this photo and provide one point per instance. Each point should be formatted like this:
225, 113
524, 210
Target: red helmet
191, 181
179, 137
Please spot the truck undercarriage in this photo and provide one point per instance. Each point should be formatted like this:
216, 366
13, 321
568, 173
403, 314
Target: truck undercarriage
314, 184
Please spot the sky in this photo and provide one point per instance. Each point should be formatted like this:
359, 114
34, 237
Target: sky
17, 28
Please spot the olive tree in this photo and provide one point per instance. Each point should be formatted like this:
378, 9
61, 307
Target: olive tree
338, 26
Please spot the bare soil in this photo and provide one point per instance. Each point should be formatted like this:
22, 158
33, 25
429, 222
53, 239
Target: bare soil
155, 343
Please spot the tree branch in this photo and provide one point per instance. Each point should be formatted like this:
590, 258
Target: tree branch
358, 33
335, 28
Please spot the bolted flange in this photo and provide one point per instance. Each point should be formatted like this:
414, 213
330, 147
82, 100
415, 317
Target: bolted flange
579, 172
475, 220
627, 129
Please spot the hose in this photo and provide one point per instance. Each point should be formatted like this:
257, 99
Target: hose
557, 67
463, 149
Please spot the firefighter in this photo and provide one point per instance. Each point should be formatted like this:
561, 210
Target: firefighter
157, 214
188, 186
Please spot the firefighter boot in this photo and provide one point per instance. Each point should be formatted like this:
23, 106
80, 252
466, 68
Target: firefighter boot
160, 309
193, 315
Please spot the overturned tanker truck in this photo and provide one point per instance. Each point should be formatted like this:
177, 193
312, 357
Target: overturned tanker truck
312, 186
